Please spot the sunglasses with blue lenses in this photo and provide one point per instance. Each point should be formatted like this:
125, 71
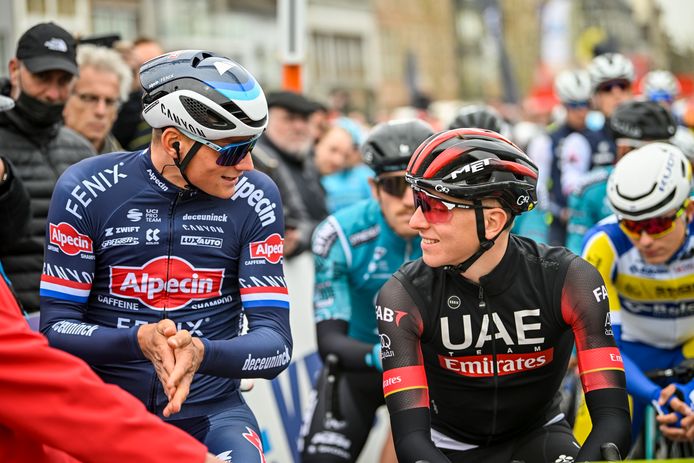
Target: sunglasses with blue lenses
229, 155
576, 104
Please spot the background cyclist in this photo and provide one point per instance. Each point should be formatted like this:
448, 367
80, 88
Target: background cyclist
646, 257
356, 250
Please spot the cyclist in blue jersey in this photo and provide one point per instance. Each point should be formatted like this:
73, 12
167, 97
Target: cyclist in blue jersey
635, 124
356, 250
154, 257
646, 257
611, 76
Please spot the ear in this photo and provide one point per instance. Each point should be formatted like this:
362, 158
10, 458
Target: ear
171, 142
14, 66
495, 220
374, 188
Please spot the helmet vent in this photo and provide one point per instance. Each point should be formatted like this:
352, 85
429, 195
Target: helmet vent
204, 115
242, 116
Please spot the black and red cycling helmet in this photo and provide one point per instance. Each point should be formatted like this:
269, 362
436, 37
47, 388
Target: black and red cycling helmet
473, 164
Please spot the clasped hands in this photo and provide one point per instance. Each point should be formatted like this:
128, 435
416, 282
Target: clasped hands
176, 356
684, 433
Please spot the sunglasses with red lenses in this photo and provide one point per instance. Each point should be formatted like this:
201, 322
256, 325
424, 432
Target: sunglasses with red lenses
395, 185
656, 227
436, 210
228, 155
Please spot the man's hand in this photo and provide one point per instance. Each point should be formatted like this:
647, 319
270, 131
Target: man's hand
152, 339
188, 353
685, 433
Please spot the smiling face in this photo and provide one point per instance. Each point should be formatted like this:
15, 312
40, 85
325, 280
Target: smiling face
203, 170
454, 240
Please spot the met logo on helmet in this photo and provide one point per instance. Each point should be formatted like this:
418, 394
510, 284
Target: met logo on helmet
166, 284
271, 249
470, 168
69, 240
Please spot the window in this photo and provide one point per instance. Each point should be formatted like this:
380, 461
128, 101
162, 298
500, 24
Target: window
337, 58
36, 6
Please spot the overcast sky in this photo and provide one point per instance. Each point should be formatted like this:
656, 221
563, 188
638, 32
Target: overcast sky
678, 16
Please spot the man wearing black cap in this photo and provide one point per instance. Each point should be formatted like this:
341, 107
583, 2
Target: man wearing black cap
34, 145
288, 142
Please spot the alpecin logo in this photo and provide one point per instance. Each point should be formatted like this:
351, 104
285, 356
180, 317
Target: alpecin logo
271, 249
69, 240
149, 284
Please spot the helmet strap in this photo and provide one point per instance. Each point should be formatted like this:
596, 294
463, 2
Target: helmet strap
184, 163
485, 244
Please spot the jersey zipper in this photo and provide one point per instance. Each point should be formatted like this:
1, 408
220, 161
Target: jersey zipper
169, 252
482, 304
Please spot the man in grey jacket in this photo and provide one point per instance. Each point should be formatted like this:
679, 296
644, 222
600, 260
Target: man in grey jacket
35, 148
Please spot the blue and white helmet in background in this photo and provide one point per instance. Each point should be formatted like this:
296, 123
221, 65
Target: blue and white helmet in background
202, 93
660, 85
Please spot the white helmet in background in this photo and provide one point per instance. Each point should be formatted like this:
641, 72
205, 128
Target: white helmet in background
684, 140
649, 181
572, 86
660, 86
610, 66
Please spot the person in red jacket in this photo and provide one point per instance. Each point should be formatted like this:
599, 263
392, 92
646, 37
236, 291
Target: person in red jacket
54, 409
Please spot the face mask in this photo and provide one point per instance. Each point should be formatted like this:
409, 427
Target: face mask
37, 112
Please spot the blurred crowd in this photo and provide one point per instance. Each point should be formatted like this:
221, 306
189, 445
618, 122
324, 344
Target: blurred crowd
90, 103
74, 100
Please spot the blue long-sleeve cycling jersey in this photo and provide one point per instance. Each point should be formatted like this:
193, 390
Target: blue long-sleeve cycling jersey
125, 247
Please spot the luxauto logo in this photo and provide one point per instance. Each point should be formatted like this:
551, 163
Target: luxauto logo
506, 364
166, 284
69, 240
206, 241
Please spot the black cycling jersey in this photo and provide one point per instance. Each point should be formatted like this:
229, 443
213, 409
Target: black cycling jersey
487, 359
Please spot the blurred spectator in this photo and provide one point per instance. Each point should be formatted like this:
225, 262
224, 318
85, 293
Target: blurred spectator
332, 150
130, 129
103, 84
35, 146
14, 197
287, 141
318, 121
351, 184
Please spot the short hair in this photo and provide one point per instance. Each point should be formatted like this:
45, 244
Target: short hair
106, 59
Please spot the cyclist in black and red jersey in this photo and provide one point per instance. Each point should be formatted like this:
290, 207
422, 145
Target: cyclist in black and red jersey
486, 320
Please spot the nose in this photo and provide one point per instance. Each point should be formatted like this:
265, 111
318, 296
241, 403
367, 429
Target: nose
645, 240
418, 221
408, 198
53, 92
245, 164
